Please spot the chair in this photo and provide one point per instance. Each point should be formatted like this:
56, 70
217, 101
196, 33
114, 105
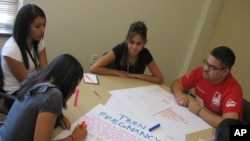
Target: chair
4, 96
246, 111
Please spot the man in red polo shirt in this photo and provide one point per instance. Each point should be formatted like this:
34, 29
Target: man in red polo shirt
218, 95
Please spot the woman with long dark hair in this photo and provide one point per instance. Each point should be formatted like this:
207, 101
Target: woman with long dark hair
130, 58
40, 101
24, 52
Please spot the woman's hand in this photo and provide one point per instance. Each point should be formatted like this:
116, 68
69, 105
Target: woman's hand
65, 123
80, 132
123, 74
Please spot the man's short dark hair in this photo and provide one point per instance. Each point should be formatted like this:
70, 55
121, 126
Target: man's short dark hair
225, 55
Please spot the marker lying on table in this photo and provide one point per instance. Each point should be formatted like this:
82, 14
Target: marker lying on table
97, 94
76, 97
154, 127
82, 124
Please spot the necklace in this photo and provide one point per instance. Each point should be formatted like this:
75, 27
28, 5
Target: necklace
34, 59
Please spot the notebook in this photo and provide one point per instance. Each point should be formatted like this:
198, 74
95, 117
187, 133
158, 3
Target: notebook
90, 78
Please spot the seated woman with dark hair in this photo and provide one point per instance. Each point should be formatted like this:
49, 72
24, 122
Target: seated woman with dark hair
130, 58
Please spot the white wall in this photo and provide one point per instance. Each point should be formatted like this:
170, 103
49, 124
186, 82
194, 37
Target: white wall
177, 29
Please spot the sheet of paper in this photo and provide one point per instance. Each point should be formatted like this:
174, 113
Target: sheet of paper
179, 120
106, 125
90, 78
175, 120
114, 104
151, 99
117, 106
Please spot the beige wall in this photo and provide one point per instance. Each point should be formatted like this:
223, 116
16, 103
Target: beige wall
87, 27
233, 30
179, 31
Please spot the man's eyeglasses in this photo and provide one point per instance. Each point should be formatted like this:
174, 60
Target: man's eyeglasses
211, 67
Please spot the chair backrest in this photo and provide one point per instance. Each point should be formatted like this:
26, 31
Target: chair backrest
4, 95
1, 76
246, 111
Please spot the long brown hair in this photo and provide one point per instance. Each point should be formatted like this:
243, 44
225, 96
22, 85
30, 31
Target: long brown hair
24, 18
135, 28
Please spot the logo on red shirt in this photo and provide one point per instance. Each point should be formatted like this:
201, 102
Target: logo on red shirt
216, 99
230, 103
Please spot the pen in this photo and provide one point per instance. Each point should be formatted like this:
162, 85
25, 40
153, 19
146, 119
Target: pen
82, 124
88, 78
93, 90
154, 127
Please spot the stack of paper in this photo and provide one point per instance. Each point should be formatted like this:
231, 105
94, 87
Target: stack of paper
153, 104
129, 114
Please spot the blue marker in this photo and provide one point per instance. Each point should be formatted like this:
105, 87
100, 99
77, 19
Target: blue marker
154, 127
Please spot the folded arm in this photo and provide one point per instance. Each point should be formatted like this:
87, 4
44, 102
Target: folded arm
155, 77
193, 106
100, 66
178, 90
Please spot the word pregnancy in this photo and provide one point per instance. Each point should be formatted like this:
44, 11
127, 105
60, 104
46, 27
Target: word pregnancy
130, 125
